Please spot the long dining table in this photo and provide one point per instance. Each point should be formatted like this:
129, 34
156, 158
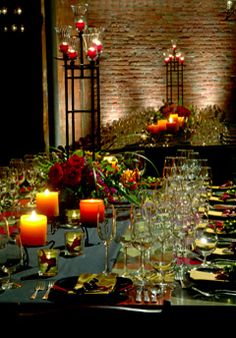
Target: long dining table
16, 304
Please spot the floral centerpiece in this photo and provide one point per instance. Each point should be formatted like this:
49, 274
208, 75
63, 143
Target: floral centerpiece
114, 178
169, 118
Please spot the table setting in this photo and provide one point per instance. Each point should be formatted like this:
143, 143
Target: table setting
71, 261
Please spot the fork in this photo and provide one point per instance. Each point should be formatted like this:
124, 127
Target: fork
50, 285
38, 287
215, 293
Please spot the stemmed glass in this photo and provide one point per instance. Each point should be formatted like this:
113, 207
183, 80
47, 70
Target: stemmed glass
163, 261
106, 229
125, 239
205, 243
141, 240
11, 256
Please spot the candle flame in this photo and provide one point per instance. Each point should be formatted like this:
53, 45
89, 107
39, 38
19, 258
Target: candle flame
33, 215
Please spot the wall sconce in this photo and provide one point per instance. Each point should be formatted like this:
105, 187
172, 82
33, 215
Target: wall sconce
230, 8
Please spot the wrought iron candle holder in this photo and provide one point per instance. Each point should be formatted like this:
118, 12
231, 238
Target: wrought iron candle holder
81, 54
174, 63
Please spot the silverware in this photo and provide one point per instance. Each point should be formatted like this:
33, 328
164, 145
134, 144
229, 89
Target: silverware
50, 285
215, 293
146, 297
138, 297
40, 286
154, 293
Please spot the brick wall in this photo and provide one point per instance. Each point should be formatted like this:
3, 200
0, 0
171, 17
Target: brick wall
137, 33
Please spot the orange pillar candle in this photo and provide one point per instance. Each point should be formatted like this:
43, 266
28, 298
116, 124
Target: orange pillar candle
33, 229
89, 210
47, 203
161, 125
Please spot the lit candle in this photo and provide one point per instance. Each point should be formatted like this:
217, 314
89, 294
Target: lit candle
80, 25
89, 210
175, 119
181, 121
47, 203
98, 45
162, 124
92, 53
153, 128
64, 47
72, 54
171, 125
33, 229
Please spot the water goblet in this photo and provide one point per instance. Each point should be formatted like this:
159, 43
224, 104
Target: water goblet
106, 229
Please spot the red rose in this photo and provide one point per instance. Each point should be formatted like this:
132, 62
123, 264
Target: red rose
55, 174
72, 176
76, 161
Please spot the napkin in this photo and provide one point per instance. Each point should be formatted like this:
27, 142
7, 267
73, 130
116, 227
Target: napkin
89, 283
203, 275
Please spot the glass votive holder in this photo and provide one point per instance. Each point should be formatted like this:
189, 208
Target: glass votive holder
74, 242
48, 262
73, 216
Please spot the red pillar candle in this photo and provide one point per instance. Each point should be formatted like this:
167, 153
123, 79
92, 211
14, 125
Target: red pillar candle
171, 126
33, 229
89, 210
47, 203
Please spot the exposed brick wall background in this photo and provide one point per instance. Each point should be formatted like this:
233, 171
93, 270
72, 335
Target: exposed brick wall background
138, 32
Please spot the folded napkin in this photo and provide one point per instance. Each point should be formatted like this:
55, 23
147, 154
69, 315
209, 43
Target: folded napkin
203, 275
89, 283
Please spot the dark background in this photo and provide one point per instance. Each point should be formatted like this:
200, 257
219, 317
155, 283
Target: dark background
21, 93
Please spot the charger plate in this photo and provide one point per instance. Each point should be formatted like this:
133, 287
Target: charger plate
65, 290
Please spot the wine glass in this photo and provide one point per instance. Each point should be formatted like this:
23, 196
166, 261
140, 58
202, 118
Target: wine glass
125, 239
11, 256
141, 240
106, 229
163, 261
205, 243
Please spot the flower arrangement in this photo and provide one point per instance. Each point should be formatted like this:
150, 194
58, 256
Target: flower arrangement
173, 108
114, 178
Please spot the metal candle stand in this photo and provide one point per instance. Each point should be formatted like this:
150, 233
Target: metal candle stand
75, 71
174, 64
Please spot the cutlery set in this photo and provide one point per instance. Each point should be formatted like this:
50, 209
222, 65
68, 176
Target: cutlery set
147, 295
41, 286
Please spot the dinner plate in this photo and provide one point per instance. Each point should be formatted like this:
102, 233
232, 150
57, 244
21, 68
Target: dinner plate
210, 279
63, 290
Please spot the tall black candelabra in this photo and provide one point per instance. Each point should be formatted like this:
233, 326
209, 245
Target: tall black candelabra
174, 63
81, 54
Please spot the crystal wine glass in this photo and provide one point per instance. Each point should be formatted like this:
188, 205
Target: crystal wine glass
205, 243
106, 229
